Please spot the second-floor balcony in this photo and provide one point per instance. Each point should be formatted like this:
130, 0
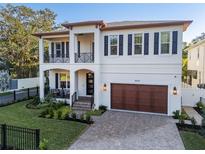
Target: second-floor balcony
84, 57
56, 58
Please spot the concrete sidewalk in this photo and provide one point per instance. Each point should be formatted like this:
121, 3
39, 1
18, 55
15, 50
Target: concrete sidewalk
193, 113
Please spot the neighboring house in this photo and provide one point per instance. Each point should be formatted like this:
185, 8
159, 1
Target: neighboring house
129, 65
196, 64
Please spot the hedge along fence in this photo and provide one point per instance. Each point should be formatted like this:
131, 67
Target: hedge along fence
14, 96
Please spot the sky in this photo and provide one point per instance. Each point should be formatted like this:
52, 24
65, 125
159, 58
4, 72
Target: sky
119, 12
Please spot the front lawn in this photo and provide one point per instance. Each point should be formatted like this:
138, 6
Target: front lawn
59, 133
192, 140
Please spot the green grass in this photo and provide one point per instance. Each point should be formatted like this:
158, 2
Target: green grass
95, 112
59, 133
192, 141
5, 93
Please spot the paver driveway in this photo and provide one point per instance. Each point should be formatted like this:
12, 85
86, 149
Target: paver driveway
123, 130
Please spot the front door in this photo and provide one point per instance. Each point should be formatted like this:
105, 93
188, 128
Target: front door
90, 83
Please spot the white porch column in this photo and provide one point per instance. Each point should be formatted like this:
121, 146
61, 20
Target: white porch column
97, 89
41, 80
97, 46
72, 84
41, 50
72, 47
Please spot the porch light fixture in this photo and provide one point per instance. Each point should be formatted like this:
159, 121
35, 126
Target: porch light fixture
104, 87
174, 91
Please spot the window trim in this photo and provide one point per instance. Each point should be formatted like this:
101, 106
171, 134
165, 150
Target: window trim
170, 43
56, 42
60, 46
59, 79
133, 44
109, 45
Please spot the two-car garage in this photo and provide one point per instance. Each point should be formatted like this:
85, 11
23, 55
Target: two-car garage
135, 97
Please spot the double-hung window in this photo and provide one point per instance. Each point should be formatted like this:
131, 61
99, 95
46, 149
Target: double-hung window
113, 44
138, 44
58, 49
64, 80
165, 42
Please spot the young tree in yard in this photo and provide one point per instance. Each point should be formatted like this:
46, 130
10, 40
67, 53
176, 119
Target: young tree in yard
18, 47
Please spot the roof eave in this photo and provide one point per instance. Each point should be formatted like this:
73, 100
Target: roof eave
50, 33
185, 25
85, 23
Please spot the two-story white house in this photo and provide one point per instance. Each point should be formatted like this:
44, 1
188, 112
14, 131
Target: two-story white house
128, 65
196, 64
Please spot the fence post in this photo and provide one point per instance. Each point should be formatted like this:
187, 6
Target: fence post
37, 90
14, 95
3, 137
28, 93
37, 138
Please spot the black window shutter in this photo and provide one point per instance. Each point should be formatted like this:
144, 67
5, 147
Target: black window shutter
67, 49
63, 49
120, 45
93, 49
156, 43
52, 49
56, 80
78, 48
174, 42
105, 45
146, 43
129, 44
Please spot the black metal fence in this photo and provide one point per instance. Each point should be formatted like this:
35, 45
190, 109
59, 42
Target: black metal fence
17, 138
11, 97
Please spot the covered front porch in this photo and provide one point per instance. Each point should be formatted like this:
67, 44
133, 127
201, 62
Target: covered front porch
59, 82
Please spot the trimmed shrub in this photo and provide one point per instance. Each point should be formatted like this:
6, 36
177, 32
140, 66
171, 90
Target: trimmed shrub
88, 118
200, 105
193, 121
82, 117
182, 117
51, 113
176, 114
73, 115
44, 113
43, 144
102, 107
59, 114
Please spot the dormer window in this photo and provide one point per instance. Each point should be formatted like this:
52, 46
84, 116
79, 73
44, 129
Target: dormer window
165, 42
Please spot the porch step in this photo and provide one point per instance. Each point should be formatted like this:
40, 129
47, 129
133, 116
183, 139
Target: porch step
82, 105
75, 108
84, 98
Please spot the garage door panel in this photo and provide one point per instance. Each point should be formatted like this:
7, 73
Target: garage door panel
146, 98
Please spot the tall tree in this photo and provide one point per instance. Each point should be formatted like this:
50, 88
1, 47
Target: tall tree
18, 47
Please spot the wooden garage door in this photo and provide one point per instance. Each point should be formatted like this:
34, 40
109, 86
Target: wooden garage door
146, 98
